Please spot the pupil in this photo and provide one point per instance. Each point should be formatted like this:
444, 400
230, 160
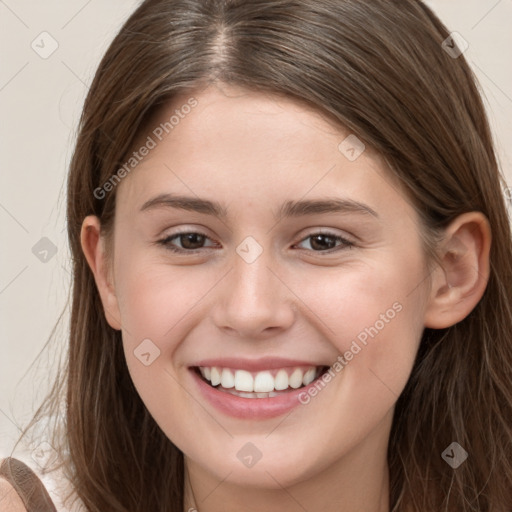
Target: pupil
193, 238
316, 238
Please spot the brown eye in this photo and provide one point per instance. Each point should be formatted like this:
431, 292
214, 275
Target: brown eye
190, 242
326, 242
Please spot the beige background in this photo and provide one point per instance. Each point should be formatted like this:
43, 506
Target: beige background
40, 101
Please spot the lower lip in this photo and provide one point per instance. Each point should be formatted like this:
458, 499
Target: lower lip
250, 408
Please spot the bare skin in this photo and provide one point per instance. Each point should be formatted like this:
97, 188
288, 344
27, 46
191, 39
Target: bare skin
10, 501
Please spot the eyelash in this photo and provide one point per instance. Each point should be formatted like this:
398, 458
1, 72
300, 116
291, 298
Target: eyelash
166, 242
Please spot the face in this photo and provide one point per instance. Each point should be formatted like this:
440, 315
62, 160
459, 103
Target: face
257, 248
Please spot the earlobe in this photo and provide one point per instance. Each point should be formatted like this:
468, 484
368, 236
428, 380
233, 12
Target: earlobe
93, 247
460, 283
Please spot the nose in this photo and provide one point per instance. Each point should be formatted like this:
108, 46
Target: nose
254, 301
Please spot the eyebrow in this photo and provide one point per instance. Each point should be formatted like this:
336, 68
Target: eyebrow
288, 209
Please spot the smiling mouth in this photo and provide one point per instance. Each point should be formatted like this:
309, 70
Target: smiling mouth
263, 384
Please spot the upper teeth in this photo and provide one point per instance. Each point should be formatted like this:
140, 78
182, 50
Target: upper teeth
260, 382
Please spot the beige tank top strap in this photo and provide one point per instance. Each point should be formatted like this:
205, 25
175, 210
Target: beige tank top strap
28, 485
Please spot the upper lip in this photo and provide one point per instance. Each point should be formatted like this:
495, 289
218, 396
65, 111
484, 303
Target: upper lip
255, 365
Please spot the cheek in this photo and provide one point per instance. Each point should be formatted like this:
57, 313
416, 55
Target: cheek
350, 299
156, 303
153, 297
372, 313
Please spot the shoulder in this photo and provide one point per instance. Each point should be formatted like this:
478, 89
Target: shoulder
21, 490
10, 500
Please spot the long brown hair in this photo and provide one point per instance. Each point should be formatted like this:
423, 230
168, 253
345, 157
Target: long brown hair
378, 67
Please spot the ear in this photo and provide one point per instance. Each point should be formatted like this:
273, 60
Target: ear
459, 284
93, 246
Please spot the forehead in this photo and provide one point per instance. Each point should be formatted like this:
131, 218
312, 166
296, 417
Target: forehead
246, 147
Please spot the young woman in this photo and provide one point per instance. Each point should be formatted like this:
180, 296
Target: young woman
292, 278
